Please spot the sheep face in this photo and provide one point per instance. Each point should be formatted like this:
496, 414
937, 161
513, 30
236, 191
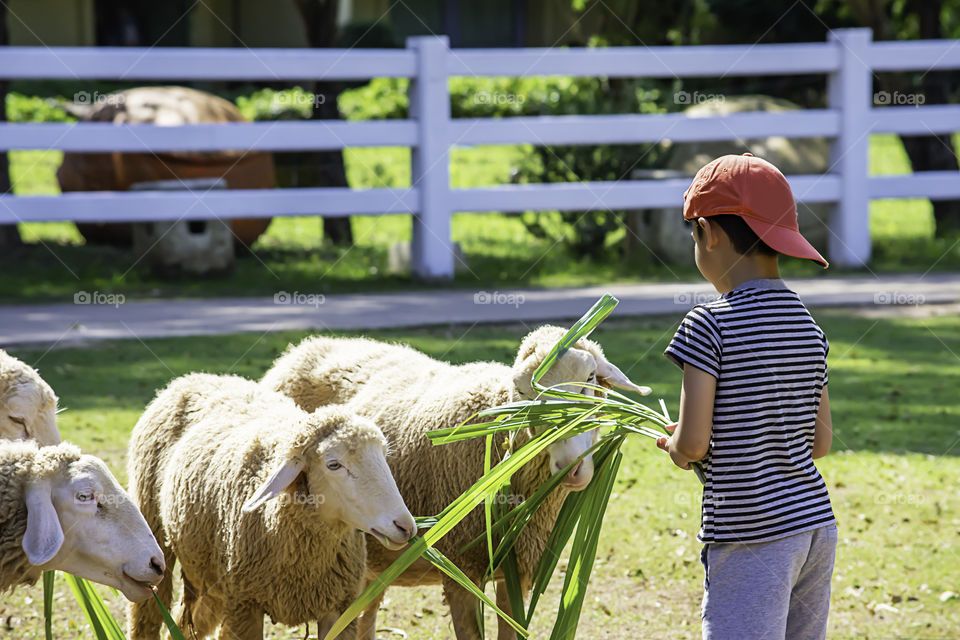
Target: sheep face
360, 491
28, 411
348, 482
81, 521
584, 363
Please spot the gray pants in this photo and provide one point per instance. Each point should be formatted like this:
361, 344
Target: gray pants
778, 590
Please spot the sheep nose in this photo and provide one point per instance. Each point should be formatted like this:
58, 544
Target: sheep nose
157, 564
575, 471
407, 530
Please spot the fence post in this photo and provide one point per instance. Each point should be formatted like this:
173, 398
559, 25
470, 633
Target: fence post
850, 92
431, 252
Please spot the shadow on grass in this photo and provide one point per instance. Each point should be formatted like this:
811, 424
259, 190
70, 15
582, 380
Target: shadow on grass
55, 272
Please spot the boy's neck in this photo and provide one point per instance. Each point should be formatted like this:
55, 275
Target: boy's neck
747, 268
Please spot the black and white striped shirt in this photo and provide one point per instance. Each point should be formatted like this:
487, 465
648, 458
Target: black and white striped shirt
769, 358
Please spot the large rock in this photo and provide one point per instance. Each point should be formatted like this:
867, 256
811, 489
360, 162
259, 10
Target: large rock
663, 229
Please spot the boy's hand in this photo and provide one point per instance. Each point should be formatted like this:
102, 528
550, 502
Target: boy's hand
669, 445
662, 442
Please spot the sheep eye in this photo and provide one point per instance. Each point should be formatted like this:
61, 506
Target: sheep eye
333, 465
19, 421
85, 496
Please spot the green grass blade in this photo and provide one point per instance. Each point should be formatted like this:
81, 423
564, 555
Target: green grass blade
530, 505
441, 562
511, 578
175, 633
508, 418
416, 548
584, 550
580, 329
48, 577
488, 503
563, 529
511, 571
452, 515
98, 616
523, 511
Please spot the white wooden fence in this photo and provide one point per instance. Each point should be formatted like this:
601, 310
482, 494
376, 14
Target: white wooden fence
849, 58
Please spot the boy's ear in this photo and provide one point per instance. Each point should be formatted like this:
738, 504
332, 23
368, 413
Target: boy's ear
709, 233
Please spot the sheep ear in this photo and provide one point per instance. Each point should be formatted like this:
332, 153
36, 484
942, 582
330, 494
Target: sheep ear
275, 485
608, 373
523, 376
44, 536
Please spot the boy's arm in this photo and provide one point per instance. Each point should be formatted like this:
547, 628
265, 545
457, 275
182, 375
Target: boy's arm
691, 438
823, 431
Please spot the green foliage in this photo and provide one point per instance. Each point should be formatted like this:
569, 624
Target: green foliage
587, 231
380, 99
22, 108
273, 104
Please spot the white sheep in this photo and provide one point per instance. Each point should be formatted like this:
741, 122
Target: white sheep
63, 510
407, 394
28, 406
208, 457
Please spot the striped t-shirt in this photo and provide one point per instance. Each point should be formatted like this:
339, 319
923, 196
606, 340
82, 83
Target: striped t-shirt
769, 358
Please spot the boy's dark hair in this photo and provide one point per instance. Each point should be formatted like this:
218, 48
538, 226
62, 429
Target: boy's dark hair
745, 240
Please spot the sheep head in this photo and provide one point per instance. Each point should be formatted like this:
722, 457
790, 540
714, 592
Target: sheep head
28, 406
335, 465
584, 362
81, 521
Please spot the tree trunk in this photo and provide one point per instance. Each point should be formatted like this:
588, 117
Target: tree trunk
934, 152
9, 234
320, 22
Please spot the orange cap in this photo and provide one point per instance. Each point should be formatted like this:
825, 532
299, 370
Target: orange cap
755, 190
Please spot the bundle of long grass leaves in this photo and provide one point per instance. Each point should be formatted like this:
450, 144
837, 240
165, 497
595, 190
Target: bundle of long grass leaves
556, 414
101, 621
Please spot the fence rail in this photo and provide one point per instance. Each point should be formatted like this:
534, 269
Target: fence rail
849, 59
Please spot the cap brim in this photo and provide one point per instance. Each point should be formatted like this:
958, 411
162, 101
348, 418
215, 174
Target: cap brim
785, 241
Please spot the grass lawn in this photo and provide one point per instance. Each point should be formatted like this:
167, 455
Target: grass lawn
500, 251
894, 474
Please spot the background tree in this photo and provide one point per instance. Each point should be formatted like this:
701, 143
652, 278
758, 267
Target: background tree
745, 21
925, 20
320, 23
9, 234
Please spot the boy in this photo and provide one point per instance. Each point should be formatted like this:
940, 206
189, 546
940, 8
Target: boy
754, 411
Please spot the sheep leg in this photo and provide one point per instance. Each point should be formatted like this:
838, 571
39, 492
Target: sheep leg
367, 624
464, 608
200, 614
242, 621
504, 630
